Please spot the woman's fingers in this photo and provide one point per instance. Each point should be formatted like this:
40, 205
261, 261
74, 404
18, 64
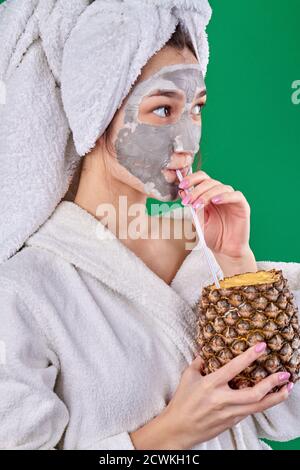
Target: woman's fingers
193, 179
259, 391
208, 195
267, 402
230, 197
197, 364
204, 187
237, 365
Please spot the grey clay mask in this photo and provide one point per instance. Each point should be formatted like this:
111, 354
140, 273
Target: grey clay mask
145, 149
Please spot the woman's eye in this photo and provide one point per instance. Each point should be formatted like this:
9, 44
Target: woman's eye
160, 113
199, 107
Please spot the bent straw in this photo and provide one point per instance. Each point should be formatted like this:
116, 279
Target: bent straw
200, 234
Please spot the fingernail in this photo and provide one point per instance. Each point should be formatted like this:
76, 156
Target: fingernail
290, 386
216, 200
284, 376
260, 347
186, 199
184, 184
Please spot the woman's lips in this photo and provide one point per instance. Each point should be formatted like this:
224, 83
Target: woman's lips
177, 160
171, 176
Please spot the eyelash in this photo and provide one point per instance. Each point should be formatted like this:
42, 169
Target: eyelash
170, 107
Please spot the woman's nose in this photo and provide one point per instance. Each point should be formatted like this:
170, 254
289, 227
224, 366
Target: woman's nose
188, 141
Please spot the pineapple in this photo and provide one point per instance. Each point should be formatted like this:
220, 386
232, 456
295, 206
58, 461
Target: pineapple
249, 308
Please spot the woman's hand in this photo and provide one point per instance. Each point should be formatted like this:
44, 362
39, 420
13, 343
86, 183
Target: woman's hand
226, 214
205, 406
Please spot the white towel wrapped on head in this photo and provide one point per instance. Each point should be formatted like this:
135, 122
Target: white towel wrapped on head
67, 65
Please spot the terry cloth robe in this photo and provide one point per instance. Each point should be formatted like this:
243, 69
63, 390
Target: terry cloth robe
94, 343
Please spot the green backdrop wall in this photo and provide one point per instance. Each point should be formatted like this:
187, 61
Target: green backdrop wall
251, 137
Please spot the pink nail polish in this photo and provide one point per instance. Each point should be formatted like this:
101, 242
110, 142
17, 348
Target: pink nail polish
186, 200
260, 347
216, 200
183, 184
284, 376
290, 386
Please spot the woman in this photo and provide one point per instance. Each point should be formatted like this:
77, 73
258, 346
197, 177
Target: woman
99, 328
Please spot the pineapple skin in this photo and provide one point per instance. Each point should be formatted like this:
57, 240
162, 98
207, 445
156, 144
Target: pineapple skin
232, 319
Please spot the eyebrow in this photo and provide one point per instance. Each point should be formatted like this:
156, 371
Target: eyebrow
175, 94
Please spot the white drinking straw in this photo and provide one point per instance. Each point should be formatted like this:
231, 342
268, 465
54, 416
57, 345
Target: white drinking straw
200, 234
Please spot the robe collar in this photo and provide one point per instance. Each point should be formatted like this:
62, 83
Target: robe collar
82, 240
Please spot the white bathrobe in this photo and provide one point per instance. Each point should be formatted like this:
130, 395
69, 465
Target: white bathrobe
93, 343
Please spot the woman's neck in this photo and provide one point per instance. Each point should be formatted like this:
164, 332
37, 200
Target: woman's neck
111, 195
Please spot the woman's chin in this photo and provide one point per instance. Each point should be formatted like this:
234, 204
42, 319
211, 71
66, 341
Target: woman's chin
171, 197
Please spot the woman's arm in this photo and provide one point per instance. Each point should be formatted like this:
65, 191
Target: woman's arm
242, 264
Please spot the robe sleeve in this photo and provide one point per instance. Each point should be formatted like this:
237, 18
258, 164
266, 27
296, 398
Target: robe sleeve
282, 422
32, 415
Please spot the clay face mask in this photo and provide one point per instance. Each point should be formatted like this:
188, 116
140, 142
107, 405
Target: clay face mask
145, 149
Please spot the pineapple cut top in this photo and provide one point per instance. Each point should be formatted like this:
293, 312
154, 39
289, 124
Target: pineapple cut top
248, 279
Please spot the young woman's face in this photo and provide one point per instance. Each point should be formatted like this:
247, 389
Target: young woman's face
159, 122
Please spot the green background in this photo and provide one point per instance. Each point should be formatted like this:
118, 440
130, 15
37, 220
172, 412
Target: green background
251, 137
